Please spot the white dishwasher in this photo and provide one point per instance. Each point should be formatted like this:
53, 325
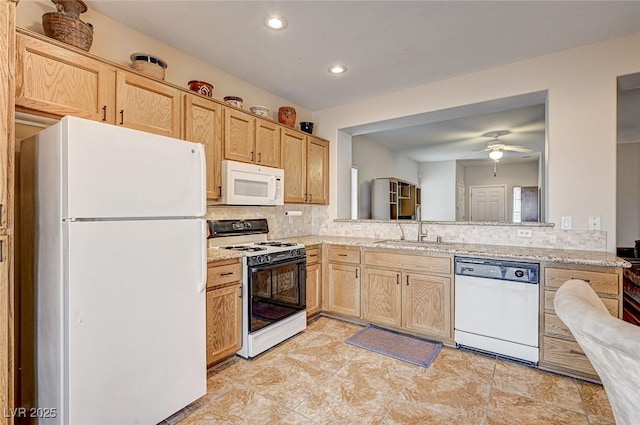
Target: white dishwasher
497, 307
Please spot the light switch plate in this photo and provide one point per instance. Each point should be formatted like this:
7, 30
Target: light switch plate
594, 223
566, 223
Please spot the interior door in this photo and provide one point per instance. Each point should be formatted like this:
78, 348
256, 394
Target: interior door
136, 336
488, 203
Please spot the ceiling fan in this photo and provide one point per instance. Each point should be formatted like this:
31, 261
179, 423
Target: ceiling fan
495, 147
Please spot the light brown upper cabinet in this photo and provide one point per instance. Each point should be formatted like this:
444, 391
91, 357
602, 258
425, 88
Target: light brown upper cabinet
250, 139
305, 160
59, 81
267, 144
203, 124
147, 105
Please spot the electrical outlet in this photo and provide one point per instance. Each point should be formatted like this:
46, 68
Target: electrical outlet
357, 227
594, 223
566, 223
524, 233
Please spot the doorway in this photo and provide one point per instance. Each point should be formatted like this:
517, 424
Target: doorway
488, 203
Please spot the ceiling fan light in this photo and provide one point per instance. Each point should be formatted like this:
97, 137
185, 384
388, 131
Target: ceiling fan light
495, 155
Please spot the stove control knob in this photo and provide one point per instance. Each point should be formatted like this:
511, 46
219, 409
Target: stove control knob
267, 258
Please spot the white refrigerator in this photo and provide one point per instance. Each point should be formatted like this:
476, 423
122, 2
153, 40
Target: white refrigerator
119, 271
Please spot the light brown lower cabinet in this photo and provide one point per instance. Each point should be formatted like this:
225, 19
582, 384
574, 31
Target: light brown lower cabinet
344, 289
314, 281
559, 350
224, 310
417, 302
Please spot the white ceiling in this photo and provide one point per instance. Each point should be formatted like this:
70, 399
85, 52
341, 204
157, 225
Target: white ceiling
387, 46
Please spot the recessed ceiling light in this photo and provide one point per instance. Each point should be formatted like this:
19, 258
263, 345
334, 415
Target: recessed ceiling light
275, 23
337, 69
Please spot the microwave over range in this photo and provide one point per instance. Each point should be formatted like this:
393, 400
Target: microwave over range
250, 184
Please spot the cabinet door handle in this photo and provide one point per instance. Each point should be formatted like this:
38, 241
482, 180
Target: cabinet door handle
240, 292
313, 255
259, 156
407, 280
252, 155
306, 198
397, 279
220, 191
1, 253
342, 255
104, 113
1, 205
310, 197
121, 116
226, 274
356, 273
586, 280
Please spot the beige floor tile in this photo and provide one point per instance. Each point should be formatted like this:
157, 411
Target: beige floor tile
345, 401
379, 370
288, 381
334, 353
595, 401
460, 362
240, 406
538, 385
594, 420
294, 418
511, 409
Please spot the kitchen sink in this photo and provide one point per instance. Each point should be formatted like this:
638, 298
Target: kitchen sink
426, 243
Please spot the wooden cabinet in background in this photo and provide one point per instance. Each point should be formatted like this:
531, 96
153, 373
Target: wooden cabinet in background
559, 350
314, 280
147, 105
267, 146
399, 290
239, 136
305, 160
224, 310
203, 124
59, 81
294, 162
343, 281
317, 171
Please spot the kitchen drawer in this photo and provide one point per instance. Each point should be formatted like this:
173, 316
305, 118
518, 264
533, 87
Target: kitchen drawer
343, 254
420, 263
604, 283
313, 255
554, 326
613, 305
222, 274
566, 354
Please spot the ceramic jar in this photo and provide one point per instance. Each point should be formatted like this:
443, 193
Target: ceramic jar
201, 87
65, 25
234, 101
287, 116
306, 126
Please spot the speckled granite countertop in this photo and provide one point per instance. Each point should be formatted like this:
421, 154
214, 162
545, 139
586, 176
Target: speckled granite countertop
214, 254
592, 258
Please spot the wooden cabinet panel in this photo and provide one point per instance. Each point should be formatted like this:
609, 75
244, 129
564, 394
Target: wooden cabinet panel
267, 144
344, 254
147, 105
381, 297
421, 263
294, 163
314, 288
224, 322
224, 274
317, 171
567, 355
238, 136
203, 124
603, 283
313, 255
61, 82
612, 304
427, 304
344, 289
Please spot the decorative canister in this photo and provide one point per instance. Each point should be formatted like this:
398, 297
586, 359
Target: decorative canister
234, 101
287, 116
306, 126
148, 64
202, 87
65, 25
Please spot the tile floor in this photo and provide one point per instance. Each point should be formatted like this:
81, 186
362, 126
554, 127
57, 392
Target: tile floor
316, 378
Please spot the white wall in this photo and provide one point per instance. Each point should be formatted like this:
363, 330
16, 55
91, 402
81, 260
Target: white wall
461, 193
520, 174
581, 120
438, 186
628, 203
377, 161
115, 42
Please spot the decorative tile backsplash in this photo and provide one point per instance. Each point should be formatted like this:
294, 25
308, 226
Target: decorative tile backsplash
315, 221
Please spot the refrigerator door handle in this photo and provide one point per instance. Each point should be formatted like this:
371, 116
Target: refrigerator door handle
202, 286
203, 183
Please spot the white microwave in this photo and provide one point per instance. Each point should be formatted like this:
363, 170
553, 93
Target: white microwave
249, 184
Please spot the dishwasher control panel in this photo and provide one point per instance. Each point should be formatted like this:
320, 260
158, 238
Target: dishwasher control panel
498, 269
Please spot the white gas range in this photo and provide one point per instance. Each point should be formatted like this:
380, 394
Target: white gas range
273, 283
